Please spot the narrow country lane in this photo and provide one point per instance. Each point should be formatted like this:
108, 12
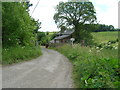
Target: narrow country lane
51, 70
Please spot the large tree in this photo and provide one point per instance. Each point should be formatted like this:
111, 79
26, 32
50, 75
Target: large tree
74, 15
18, 27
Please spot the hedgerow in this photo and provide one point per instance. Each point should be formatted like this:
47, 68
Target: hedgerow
93, 68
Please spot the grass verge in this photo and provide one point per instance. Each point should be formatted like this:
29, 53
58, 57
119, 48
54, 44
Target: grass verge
93, 68
18, 54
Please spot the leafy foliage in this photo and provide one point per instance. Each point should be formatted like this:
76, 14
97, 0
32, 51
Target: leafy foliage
98, 66
18, 32
42, 38
109, 45
75, 15
53, 35
18, 26
93, 69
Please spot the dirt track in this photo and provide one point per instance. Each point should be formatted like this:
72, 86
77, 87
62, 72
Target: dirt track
51, 70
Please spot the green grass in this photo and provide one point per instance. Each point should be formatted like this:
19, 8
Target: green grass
93, 69
18, 54
50, 33
103, 37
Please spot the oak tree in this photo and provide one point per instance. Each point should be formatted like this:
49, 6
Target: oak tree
74, 15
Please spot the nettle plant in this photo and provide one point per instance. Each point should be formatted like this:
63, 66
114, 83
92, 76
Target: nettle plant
113, 44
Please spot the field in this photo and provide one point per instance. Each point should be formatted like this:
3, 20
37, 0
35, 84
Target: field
95, 67
104, 37
100, 37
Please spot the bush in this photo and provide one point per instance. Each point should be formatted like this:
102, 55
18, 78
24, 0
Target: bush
113, 44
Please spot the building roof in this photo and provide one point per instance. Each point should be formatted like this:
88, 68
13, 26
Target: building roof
64, 34
61, 37
67, 32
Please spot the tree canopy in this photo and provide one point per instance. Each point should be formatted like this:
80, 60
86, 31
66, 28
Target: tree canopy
74, 15
18, 27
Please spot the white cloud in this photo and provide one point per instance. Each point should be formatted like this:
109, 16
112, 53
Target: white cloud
107, 12
110, 17
45, 12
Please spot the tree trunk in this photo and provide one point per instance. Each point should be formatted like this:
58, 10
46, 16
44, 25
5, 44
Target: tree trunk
77, 33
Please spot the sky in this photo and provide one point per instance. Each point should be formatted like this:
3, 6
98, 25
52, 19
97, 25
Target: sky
106, 12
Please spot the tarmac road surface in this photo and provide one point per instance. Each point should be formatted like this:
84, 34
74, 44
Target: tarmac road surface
51, 70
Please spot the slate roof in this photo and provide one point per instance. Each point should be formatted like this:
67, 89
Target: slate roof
61, 37
68, 32
64, 34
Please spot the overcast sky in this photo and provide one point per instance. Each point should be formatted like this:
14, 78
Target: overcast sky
107, 12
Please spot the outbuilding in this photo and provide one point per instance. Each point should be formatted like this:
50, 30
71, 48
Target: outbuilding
63, 37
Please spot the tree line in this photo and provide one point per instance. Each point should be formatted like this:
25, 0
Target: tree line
103, 27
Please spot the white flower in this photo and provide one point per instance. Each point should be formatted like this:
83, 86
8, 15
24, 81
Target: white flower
105, 44
98, 51
101, 49
97, 47
117, 44
116, 47
86, 82
90, 51
113, 46
9, 39
109, 43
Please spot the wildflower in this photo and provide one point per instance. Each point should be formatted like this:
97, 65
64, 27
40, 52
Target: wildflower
117, 44
90, 51
86, 82
101, 49
9, 39
97, 47
116, 48
106, 44
109, 42
113, 46
98, 51
6, 49
23, 47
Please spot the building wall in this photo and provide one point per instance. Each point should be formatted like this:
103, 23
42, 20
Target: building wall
65, 40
